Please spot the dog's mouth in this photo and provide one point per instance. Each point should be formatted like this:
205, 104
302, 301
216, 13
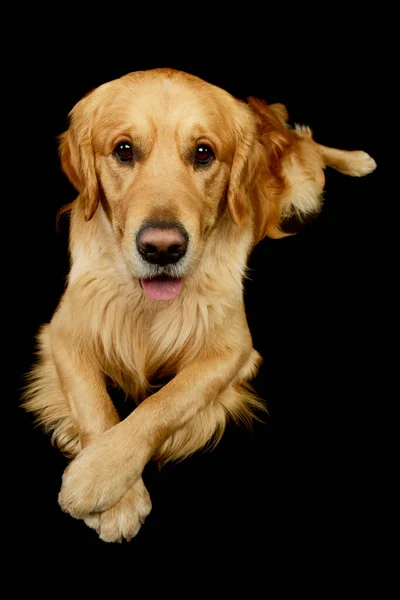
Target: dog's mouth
161, 287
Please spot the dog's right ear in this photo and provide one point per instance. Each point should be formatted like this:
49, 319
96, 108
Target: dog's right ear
77, 157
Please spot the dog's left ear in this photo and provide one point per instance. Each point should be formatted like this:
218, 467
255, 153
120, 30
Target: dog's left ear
77, 156
276, 173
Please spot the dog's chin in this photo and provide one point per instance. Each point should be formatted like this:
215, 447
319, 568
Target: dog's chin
161, 287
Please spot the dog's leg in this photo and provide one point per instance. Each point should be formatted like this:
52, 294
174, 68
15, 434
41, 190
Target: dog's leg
355, 163
237, 402
103, 472
92, 412
84, 387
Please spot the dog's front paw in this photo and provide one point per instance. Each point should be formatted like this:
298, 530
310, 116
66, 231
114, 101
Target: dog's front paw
123, 520
97, 479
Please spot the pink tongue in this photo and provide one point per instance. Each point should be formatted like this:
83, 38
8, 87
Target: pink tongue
161, 289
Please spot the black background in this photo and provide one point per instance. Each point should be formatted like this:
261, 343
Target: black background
302, 485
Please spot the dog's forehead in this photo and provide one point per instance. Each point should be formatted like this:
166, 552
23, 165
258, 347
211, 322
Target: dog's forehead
167, 98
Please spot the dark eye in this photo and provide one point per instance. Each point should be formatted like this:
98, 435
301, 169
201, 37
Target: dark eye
124, 152
204, 155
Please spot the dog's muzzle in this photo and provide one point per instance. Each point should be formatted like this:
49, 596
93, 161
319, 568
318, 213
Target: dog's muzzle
162, 245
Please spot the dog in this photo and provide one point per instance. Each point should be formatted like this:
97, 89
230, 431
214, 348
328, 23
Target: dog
177, 182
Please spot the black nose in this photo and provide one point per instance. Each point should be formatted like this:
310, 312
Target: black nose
162, 244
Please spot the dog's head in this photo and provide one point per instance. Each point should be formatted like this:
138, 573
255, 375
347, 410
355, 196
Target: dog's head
166, 157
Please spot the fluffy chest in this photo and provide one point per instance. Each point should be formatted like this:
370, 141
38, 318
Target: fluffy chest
142, 344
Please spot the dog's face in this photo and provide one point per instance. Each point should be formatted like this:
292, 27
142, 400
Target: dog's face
159, 153
167, 156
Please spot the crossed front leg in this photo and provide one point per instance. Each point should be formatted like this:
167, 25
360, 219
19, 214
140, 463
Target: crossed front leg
94, 413
105, 470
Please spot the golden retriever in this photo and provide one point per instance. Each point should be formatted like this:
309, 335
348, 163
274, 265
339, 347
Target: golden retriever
177, 182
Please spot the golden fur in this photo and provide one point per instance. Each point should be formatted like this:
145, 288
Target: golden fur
106, 330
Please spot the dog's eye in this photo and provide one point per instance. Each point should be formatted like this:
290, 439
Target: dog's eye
124, 152
204, 155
